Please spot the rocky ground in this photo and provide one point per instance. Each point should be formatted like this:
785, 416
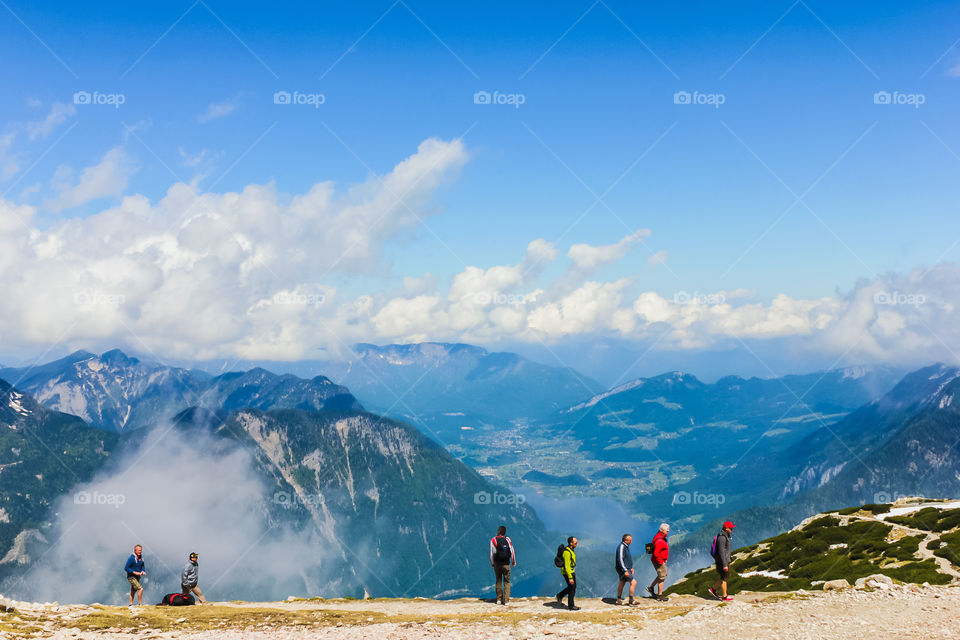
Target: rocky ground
903, 612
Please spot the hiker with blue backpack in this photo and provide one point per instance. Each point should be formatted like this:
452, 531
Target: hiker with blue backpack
502, 556
720, 550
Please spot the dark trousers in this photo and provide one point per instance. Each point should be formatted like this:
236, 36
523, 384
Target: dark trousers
502, 571
570, 590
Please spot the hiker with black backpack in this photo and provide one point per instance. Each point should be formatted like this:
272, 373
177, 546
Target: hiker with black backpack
624, 566
720, 550
659, 553
502, 556
567, 561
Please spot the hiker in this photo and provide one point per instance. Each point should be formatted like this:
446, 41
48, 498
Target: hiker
188, 579
721, 554
624, 564
568, 571
135, 572
501, 557
661, 551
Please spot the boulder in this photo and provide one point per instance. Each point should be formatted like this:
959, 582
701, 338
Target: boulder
836, 585
874, 580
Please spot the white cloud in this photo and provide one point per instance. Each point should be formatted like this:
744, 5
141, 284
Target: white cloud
217, 110
109, 177
59, 113
589, 258
250, 274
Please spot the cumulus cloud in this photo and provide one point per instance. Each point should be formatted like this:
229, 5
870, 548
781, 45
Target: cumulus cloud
256, 274
109, 177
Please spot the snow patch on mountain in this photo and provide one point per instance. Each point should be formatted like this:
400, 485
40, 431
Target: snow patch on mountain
606, 394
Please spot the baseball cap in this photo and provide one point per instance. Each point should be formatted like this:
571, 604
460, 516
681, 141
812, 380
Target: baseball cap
194, 555
728, 525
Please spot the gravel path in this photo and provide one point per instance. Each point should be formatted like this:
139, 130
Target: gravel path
906, 612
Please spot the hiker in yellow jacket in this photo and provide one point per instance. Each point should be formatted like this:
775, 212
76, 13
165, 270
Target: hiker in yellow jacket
568, 571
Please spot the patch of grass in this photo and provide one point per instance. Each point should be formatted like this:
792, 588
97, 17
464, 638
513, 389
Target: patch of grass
924, 519
200, 618
948, 547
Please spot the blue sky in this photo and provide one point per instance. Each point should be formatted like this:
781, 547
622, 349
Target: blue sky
717, 187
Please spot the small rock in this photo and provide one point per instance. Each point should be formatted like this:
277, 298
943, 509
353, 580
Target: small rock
836, 585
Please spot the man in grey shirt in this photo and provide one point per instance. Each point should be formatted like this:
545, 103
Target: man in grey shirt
189, 579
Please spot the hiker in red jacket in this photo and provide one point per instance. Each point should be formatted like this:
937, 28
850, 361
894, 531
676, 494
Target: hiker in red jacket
661, 552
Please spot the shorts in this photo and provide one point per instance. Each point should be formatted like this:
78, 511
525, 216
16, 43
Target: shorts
723, 574
661, 570
134, 584
624, 577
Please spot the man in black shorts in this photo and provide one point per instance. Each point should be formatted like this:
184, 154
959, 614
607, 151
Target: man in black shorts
624, 564
722, 557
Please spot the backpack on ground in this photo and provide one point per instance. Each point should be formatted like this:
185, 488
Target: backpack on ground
177, 600
713, 547
502, 553
558, 561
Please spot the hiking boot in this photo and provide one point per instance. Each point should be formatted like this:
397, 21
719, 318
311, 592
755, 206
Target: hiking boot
650, 591
578, 608
662, 598
619, 602
726, 598
559, 599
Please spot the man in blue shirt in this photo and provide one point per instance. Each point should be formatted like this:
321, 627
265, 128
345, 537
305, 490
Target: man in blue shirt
135, 571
